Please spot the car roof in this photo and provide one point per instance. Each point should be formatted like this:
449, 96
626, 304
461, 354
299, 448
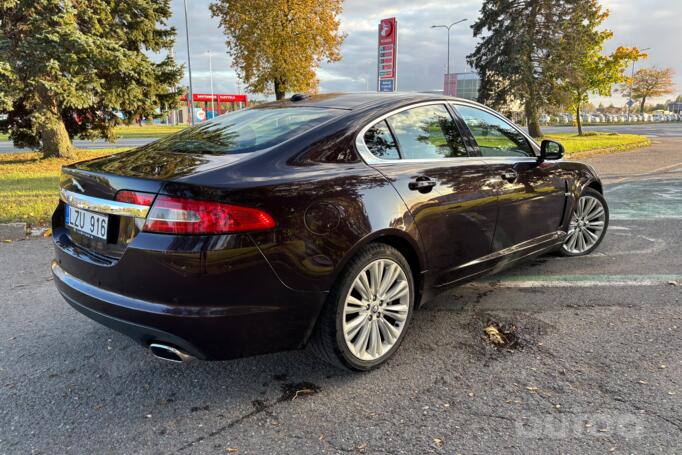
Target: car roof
353, 101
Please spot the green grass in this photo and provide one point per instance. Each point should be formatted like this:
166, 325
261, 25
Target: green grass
29, 186
594, 143
137, 131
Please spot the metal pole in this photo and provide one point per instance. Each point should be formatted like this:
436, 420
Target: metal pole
449, 51
210, 70
189, 67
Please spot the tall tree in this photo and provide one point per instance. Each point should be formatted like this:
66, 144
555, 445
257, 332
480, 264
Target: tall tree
276, 45
525, 48
68, 67
649, 83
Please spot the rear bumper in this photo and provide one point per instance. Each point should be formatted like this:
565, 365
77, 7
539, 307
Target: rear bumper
213, 313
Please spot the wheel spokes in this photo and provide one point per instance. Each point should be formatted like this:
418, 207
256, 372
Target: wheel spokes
376, 309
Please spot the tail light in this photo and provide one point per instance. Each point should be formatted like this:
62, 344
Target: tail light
188, 216
135, 197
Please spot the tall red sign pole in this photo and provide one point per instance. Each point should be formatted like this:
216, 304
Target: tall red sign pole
387, 59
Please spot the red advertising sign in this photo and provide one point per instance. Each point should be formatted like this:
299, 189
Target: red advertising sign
218, 97
387, 67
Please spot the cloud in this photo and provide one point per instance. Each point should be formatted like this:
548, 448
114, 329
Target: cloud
422, 50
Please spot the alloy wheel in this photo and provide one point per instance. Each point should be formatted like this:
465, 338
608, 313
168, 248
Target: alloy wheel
376, 309
587, 225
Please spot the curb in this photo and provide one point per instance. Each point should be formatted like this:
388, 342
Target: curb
12, 231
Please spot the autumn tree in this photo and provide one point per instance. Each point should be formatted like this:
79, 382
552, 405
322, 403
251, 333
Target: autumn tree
526, 47
276, 45
69, 67
588, 71
649, 83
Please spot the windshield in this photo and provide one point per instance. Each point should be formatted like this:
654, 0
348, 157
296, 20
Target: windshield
244, 131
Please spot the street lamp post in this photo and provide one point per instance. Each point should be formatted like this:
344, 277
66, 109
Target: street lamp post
190, 97
210, 70
448, 27
632, 80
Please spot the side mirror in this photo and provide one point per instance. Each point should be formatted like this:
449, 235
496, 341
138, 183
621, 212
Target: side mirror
551, 150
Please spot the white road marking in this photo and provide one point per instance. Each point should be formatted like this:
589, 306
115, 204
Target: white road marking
580, 281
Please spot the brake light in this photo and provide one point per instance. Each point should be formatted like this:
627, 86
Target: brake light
188, 216
135, 197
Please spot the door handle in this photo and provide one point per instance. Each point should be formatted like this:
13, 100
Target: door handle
510, 176
422, 184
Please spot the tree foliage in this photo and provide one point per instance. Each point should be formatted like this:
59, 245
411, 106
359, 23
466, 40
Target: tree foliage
67, 67
276, 45
649, 83
527, 47
588, 70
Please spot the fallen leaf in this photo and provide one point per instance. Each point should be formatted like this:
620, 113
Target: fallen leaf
7, 241
48, 232
361, 447
495, 336
641, 381
532, 388
231, 450
438, 442
612, 449
674, 283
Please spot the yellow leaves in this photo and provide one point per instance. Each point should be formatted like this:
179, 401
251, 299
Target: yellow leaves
280, 40
495, 336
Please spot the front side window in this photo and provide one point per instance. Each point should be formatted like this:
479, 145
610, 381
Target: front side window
427, 132
494, 136
244, 131
379, 141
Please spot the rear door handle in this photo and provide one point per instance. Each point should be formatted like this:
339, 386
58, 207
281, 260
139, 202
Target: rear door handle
510, 176
422, 184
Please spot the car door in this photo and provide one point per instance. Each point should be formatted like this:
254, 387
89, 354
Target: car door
422, 151
532, 196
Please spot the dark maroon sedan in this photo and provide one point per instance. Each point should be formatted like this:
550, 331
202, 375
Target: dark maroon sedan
323, 221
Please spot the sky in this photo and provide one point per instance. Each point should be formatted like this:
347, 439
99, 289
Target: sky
422, 52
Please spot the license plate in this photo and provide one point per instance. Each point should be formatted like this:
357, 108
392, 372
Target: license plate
87, 223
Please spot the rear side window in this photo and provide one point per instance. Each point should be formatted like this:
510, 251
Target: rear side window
494, 136
244, 131
427, 132
380, 142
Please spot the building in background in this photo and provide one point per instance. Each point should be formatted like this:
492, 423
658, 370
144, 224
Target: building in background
675, 108
467, 85
462, 85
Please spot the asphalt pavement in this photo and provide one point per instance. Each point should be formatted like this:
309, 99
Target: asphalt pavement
595, 367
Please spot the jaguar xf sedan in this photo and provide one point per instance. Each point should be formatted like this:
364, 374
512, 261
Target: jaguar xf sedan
320, 221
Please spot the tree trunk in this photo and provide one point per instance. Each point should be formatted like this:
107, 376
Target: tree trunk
641, 105
54, 139
279, 90
532, 120
580, 122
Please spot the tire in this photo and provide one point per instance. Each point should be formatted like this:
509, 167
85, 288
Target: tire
383, 317
583, 219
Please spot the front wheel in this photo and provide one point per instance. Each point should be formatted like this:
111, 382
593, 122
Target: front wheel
589, 222
368, 311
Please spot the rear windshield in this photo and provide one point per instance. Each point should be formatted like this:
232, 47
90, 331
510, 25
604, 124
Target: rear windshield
244, 131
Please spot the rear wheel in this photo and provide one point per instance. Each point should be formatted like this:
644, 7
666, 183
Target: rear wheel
368, 311
589, 222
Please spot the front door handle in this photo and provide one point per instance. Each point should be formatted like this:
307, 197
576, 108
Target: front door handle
510, 176
422, 184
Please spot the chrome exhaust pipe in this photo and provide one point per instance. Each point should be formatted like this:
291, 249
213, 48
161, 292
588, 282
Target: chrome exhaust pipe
169, 353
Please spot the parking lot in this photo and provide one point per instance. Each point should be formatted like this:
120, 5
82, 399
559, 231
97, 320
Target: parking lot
596, 365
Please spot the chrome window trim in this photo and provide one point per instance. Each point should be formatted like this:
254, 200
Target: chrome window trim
370, 158
109, 207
